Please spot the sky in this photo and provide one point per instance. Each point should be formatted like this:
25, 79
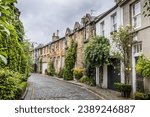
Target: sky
42, 18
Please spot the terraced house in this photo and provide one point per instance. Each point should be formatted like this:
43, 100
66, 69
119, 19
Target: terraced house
106, 24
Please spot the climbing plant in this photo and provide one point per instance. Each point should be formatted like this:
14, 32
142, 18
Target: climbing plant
50, 68
70, 60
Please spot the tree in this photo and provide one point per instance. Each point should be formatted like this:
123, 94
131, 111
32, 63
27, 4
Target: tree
146, 11
96, 52
123, 39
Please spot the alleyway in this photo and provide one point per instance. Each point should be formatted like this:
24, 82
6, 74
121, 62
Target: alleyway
46, 88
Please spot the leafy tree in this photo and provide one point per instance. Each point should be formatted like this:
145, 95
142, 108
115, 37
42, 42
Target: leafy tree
70, 60
123, 39
96, 53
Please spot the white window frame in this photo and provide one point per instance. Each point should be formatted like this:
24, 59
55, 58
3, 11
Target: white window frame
102, 28
114, 22
136, 15
137, 49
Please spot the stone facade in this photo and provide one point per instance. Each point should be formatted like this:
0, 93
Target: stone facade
36, 55
81, 34
57, 52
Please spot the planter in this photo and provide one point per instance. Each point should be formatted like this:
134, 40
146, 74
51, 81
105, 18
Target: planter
147, 85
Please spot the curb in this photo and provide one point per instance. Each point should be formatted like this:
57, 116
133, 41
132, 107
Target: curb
25, 93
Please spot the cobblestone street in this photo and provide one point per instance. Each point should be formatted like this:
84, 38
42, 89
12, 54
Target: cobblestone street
45, 88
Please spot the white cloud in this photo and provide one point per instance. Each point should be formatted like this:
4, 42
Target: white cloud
43, 17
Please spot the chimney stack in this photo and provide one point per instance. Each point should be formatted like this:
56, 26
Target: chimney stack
55, 36
57, 33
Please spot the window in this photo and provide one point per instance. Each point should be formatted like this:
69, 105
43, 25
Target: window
54, 46
136, 15
87, 29
114, 22
138, 48
63, 44
59, 45
102, 28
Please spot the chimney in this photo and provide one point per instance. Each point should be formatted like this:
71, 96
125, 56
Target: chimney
57, 33
55, 36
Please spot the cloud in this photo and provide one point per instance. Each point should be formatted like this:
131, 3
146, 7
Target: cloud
41, 18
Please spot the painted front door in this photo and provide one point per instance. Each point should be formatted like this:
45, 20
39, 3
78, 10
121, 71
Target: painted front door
114, 75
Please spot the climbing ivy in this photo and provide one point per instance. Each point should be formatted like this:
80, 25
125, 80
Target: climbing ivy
70, 60
12, 44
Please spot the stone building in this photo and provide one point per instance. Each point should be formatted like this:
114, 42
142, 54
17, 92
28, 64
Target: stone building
36, 54
57, 52
45, 57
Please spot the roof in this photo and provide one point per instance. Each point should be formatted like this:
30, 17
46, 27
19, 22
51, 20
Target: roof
98, 18
58, 40
39, 46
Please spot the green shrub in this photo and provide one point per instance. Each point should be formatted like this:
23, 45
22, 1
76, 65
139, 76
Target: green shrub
9, 81
61, 72
51, 69
21, 89
78, 73
140, 96
87, 80
143, 67
125, 89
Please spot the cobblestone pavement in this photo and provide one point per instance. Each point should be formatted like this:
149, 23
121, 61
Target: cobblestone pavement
45, 88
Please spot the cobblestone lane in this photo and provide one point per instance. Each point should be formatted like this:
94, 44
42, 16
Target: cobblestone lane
46, 88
